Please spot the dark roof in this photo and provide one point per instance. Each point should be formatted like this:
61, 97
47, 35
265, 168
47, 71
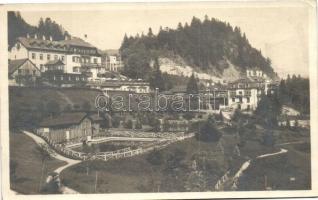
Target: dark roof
32, 43
55, 62
15, 64
62, 45
64, 119
95, 117
75, 41
179, 89
111, 52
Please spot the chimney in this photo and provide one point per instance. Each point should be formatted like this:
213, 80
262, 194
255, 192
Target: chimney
43, 37
51, 39
28, 36
85, 36
35, 36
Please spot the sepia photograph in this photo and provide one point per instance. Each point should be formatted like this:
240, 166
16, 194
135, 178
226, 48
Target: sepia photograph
159, 99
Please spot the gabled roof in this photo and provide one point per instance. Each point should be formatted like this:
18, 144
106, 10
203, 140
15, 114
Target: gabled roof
95, 117
61, 46
75, 41
64, 119
16, 64
32, 43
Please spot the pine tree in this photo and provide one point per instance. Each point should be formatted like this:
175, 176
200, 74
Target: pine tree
192, 87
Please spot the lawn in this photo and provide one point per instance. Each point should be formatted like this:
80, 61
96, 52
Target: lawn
169, 170
290, 171
27, 159
26, 110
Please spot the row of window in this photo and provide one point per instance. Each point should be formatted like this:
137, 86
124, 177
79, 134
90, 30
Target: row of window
84, 51
48, 56
241, 100
69, 78
78, 59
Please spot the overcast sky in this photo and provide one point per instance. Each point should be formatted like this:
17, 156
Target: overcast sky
280, 32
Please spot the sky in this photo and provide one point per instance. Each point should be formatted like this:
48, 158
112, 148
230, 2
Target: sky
281, 33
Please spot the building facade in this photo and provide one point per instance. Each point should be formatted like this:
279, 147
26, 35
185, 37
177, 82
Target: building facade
244, 94
136, 86
22, 72
112, 61
76, 54
66, 127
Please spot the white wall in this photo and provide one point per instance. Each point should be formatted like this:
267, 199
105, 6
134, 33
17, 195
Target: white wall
18, 53
38, 62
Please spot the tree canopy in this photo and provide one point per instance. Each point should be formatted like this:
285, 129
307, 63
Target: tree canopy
206, 44
18, 27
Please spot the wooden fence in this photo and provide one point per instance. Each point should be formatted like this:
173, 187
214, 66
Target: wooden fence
121, 153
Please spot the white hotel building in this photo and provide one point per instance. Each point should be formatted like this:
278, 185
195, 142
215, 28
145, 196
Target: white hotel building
77, 55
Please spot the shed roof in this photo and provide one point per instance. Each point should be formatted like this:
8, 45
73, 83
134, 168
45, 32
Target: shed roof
64, 119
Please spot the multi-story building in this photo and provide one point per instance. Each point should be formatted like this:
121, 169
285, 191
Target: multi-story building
137, 86
112, 61
244, 94
77, 55
255, 73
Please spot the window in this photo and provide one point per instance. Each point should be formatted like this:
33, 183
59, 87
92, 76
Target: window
77, 78
61, 78
48, 57
62, 58
34, 71
19, 71
75, 69
33, 56
248, 99
240, 92
56, 57
41, 67
41, 56
95, 60
248, 107
74, 59
27, 71
233, 99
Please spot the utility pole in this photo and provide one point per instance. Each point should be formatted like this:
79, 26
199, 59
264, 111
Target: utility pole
95, 181
213, 98
265, 182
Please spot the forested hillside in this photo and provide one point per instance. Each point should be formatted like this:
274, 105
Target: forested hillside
207, 45
295, 92
18, 27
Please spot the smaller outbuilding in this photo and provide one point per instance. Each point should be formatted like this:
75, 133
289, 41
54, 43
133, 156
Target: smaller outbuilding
22, 72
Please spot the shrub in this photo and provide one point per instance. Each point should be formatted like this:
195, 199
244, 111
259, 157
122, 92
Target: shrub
155, 158
115, 121
208, 132
128, 124
138, 125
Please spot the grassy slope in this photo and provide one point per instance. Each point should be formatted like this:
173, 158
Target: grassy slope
279, 169
136, 174
23, 151
29, 105
33, 96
